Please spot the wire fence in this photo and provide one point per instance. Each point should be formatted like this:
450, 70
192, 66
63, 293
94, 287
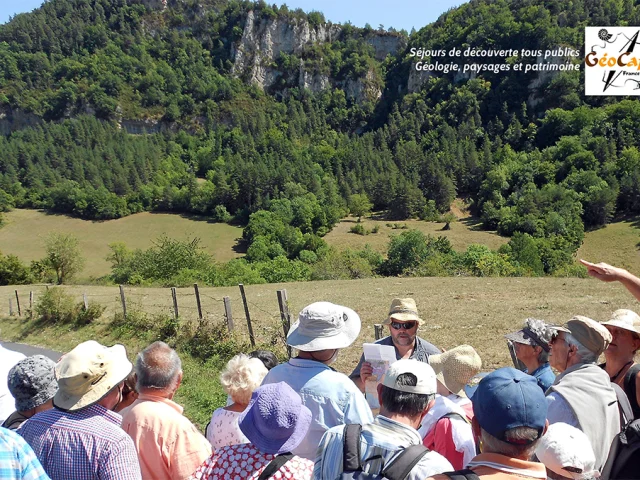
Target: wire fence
238, 310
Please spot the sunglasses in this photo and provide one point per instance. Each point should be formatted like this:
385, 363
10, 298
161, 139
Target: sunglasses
403, 325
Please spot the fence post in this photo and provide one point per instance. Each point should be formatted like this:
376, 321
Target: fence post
175, 301
195, 288
31, 303
379, 330
10, 308
18, 303
283, 303
86, 301
227, 313
124, 302
246, 313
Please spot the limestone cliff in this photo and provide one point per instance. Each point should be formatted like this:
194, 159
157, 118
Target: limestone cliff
263, 39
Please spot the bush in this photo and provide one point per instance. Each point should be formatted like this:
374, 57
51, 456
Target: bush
57, 306
13, 271
481, 261
409, 249
358, 229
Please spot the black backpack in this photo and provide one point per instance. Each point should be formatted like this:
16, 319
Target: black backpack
398, 469
623, 462
466, 474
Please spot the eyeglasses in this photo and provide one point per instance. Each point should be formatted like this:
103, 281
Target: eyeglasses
403, 325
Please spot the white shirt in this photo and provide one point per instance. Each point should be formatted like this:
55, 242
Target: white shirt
223, 430
8, 358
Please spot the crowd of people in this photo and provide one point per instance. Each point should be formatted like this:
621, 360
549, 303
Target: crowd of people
432, 414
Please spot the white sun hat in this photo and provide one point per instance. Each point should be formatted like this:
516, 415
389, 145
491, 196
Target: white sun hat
324, 326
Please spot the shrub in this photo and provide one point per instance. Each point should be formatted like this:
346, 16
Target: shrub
358, 229
13, 271
375, 229
409, 249
57, 306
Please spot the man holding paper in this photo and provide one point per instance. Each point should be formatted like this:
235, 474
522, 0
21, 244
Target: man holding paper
403, 321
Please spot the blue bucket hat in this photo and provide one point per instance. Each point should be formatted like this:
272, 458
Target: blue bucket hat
275, 421
508, 398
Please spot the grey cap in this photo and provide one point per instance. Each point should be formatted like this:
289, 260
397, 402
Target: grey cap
32, 382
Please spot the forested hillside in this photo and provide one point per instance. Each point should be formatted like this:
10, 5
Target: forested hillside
283, 139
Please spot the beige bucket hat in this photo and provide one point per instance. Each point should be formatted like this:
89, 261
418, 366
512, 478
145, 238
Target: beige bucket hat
403, 310
627, 319
88, 372
454, 368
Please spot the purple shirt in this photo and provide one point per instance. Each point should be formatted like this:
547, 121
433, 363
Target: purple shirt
85, 444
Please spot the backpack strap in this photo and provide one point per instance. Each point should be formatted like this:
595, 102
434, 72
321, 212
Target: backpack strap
402, 465
456, 415
275, 465
466, 474
351, 448
624, 407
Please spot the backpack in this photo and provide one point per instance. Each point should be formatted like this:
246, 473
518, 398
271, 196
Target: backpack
398, 469
624, 457
466, 474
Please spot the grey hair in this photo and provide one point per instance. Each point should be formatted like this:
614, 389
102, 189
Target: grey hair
543, 357
157, 366
584, 354
491, 444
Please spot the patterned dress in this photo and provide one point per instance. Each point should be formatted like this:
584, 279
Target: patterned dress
246, 462
223, 430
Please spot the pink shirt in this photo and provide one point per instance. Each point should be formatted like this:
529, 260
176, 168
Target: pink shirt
169, 445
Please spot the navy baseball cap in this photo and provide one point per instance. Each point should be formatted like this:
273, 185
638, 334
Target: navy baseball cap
508, 398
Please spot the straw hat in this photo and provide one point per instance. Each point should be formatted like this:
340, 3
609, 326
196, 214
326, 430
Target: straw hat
324, 326
455, 367
88, 372
626, 319
403, 310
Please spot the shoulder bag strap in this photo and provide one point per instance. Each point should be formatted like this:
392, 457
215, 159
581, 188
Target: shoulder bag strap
402, 465
466, 474
275, 465
351, 448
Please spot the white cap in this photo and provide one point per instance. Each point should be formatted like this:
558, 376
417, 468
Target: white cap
426, 377
565, 450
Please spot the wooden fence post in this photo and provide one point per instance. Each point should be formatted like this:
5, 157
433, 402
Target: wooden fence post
31, 303
379, 330
86, 301
124, 302
175, 301
283, 303
246, 314
195, 288
10, 308
227, 313
18, 303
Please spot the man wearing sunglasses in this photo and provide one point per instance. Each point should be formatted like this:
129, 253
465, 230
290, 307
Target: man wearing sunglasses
403, 322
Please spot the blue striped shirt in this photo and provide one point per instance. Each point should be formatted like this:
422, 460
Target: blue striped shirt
385, 438
17, 460
86, 444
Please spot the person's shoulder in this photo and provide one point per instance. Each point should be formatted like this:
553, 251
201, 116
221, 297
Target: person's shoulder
434, 464
429, 347
385, 341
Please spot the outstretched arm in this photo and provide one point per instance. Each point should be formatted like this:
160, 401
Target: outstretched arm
608, 273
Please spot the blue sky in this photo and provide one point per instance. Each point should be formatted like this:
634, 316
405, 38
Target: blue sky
390, 13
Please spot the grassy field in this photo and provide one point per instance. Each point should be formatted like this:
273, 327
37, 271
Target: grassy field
617, 244
476, 311
462, 233
25, 230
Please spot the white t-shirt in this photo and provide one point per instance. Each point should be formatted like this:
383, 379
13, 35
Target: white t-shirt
8, 358
223, 430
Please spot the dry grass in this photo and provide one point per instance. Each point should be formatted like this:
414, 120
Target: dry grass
463, 233
477, 311
25, 230
617, 244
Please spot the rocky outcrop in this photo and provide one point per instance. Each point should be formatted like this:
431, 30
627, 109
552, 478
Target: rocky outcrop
12, 120
263, 40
